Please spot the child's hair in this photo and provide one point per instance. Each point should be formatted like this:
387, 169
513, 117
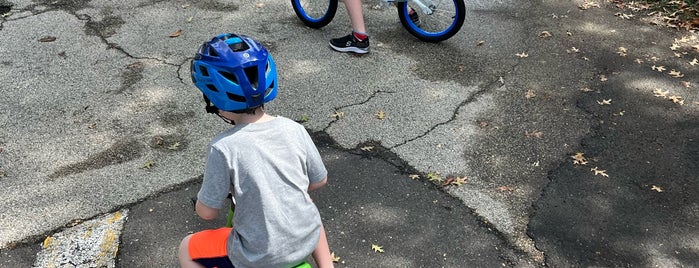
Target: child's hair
235, 73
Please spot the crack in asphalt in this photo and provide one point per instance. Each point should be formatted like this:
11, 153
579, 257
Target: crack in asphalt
337, 109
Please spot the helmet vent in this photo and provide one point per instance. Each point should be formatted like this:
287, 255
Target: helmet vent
231, 77
204, 71
269, 89
251, 73
212, 87
237, 47
235, 97
212, 52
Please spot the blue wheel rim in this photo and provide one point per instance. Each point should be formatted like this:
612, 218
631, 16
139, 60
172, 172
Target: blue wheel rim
431, 34
307, 16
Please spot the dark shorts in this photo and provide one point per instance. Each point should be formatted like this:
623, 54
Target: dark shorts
208, 248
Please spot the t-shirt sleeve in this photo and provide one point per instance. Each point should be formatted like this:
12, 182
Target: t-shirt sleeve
217, 183
314, 163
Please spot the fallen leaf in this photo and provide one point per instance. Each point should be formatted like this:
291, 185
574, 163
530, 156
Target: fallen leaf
658, 68
367, 148
534, 134
579, 159
174, 146
176, 33
260, 5
694, 62
586, 89
603, 78
569, 33
380, 115
573, 50
414, 176
588, 4
434, 177
675, 74
686, 84
545, 34
605, 102
624, 15
459, 180
186, 5
448, 181
529, 94
506, 188
46, 39
675, 46
190, 18
462, 68
334, 257
657, 188
660, 93
622, 51
338, 115
522, 55
599, 172
480, 43
677, 99
377, 248
639, 61
303, 118
148, 164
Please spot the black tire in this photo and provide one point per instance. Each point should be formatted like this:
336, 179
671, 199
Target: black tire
315, 18
434, 31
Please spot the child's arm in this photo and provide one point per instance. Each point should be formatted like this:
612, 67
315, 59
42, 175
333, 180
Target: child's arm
205, 212
322, 252
317, 185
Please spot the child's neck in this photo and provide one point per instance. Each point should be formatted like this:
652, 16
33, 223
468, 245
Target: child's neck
258, 117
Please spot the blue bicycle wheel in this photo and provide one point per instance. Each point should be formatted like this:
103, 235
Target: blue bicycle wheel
315, 13
432, 20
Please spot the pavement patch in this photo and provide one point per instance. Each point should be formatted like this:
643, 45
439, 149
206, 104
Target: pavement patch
93, 243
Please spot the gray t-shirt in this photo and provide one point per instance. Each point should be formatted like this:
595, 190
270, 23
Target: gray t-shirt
268, 167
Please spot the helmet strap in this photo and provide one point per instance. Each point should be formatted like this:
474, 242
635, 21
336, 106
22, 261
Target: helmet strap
212, 109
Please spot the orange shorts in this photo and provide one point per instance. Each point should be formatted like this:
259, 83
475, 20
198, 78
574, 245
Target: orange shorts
208, 248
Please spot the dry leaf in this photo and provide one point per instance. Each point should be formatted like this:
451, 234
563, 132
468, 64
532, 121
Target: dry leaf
686, 84
545, 34
605, 102
658, 68
586, 89
260, 5
599, 172
639, 61
414, 176
174, 146
377, 248
334, 257
148, 164
338, 115
677, 99
694, 62
190, 18
367, 148
176, 33
675, 74
480, 43
46, 39
588, 4
506, 188
675, 46
573, 50
522, 55
579, 159
380, 115
622, 51
434, 177
657, 188
603, 78
534, 134
529, 94
660, 93
459, 180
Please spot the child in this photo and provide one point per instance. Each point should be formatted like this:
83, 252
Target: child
268, 163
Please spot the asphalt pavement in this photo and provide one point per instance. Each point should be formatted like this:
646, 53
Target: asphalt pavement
545, 133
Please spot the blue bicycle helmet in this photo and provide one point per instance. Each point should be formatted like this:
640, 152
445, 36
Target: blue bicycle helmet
235, 73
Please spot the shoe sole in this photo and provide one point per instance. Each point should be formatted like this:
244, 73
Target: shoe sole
350, 49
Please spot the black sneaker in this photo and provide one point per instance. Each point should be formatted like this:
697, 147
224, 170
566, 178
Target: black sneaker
350, 44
